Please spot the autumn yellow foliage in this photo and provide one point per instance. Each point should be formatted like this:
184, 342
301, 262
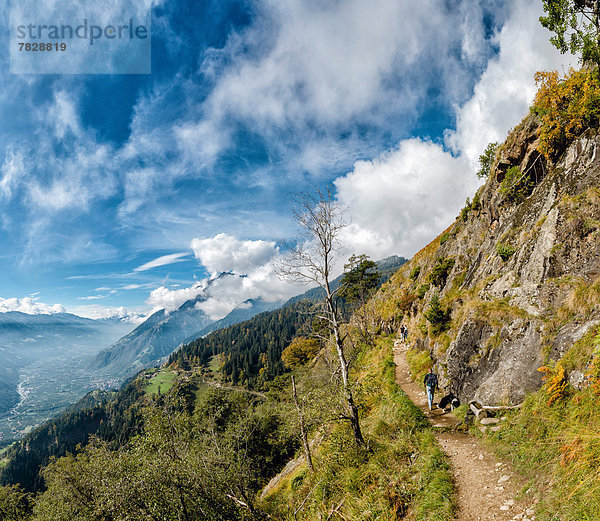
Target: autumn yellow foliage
300, 351
567, 107
555, 382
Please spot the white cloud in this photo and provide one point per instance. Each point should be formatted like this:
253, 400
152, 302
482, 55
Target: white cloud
331, 61
201, 142
162, 261
129, 287
401, 200
64, 115
252, 264
165, 298
97, 312
398, 200
228, 292
303, 74
506, 89
13, 171
223, 253
29, 305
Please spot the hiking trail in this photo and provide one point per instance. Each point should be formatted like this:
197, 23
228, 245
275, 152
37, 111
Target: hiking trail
487, 489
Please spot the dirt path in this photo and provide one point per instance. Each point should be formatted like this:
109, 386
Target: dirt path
487, 489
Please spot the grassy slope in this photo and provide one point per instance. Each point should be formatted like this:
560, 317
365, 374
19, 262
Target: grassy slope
557, 445
161, 382
405, 476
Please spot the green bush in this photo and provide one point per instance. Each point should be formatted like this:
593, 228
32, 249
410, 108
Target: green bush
476, 204
505, 250
515, 186
440, 271
422, 290
486, 160
414, 274
464, 213
444, 237
15, 504
438, 317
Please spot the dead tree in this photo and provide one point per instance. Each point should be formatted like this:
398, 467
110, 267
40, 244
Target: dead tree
320, 219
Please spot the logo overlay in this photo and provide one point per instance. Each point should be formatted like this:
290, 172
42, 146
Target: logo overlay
80, 37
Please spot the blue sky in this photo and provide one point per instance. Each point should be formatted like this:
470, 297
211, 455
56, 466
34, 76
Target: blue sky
122, 193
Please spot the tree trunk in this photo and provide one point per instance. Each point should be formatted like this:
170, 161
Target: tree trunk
339, 345
597, 25
302, 429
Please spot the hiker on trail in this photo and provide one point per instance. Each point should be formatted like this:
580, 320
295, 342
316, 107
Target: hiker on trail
404, 333
402, 328
431, 383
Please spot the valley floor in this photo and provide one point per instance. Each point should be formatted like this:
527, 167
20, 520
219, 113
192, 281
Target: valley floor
486, 488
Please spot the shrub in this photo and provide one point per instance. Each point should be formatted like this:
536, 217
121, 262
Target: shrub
515, 185
422, 290
438, 317
464, 213
405, 301
555, 383
440, 271
566, 107
300, 351
486, 160
505, 250
444, 237
476, 204
414, 274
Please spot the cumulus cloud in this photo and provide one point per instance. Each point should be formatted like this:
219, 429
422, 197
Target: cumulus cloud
224, 252
314, 84
331, 61
241, 270
506, 89
398, 200
29, 305
228, 292
404, 198
169, 300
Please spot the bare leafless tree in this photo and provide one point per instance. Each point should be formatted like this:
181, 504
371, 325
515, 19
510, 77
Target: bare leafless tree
320, 219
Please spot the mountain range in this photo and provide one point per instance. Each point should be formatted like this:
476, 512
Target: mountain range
163, 332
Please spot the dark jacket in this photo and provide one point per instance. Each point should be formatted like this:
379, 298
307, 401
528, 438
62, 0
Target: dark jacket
431, 380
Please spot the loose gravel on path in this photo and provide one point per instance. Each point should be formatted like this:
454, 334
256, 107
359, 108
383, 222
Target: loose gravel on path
487, 490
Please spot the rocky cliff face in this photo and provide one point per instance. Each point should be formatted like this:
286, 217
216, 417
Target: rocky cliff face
525, 280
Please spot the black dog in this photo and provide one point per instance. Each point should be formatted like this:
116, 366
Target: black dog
449, 401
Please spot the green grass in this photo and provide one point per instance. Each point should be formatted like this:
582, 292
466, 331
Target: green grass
161, 382
419, 363
557, 448
434, 500
405, 475
214, 366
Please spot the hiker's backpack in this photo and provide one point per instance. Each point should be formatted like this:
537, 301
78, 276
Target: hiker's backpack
432, 381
